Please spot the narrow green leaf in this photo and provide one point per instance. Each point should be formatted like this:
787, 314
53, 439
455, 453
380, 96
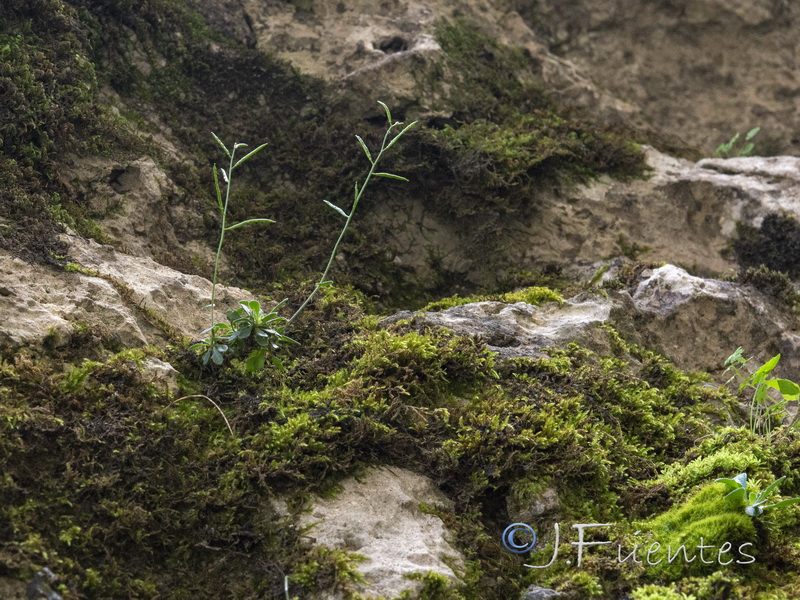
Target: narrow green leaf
388, 113
219, 141
328, 283
247, 222
365, 149
336, 208
390, 176
729, 483
752, 133
786, 502
219, 191
399, 135
248, 155
748, 148
771, 487
278, 305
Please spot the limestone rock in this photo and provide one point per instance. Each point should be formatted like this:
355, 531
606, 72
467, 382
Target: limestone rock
694, 321
135, 204
42, 304
522, 329
162, 374
546, 503
685, 214
380, 48
378, 516
699, 322
535, 592
735, 60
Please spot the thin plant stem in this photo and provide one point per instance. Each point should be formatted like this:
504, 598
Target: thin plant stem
357, 198
210, 400
228, 179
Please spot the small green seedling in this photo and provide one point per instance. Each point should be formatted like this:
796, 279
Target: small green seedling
736, 489
726, 150
762, 412
249, 328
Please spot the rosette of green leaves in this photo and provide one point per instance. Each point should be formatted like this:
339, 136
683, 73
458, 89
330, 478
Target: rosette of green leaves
754, 502
251, 326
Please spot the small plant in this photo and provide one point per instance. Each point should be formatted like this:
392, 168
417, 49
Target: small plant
221, 335
249, 328
761, 411
726, 150
736, 489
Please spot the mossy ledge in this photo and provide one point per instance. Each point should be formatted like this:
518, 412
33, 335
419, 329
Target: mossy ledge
127, 493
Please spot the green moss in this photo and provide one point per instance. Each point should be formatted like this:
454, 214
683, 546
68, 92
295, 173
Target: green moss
775, 245
772, 283
424, 369
327, 569
533, 295
727, 452
706, 518
436, 587
525, 147
50, 108
657, 592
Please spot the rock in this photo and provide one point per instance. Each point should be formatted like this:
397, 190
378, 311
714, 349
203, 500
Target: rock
136, 205
380, 49
539, 593
522, 329
686, 213
699, 322
378, 516
546, 503
162, 374
44, 305
695, 322
736, 61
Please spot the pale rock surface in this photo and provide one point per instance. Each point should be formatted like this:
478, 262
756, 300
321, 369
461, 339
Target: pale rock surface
380, 48
696, 322
699, 322
736, 61
535, 592
618, 61
161, 374
521, 329
377, 515
544, 504
685, 213
136, 204
39, 302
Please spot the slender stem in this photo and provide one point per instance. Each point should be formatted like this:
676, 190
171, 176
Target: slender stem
346, 225
229, 178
